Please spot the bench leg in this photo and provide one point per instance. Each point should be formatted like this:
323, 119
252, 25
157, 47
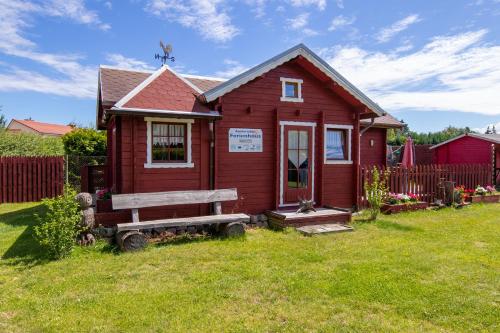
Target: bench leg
131, 240
234, 229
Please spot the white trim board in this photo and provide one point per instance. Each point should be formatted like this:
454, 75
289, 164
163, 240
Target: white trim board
349, 129
282, 152
149, 144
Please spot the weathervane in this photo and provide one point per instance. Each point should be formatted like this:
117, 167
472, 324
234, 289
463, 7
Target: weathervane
167, 49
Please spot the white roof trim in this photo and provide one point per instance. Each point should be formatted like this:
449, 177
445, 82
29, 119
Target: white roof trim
189, 83
473, 135
280, 59
169, 112
126, 69
141, 86
201, 77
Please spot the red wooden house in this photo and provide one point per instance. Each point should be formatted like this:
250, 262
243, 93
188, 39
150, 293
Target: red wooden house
290, 127
470, 148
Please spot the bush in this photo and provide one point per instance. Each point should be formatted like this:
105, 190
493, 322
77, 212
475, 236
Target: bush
26, 144
85, 142
59, 226
376, 192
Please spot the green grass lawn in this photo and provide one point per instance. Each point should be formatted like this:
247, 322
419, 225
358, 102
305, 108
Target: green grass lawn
425, 271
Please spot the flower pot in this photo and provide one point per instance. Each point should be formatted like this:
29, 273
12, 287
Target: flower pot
405, 207
104, 206
492, 198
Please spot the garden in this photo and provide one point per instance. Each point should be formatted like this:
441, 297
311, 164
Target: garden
419, 271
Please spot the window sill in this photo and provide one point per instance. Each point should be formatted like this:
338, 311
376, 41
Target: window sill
337, 162
292, 99
168, 165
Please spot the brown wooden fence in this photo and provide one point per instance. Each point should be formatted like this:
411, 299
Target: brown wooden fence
424, 180
24, 179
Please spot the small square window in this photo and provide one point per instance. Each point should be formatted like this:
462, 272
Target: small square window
291, 89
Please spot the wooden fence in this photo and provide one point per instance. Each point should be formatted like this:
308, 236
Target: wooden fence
423, 180
24, 179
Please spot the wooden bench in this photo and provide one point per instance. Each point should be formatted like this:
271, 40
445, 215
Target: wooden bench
129, 235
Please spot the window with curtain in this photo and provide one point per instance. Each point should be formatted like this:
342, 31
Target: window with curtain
169, 143
336, 145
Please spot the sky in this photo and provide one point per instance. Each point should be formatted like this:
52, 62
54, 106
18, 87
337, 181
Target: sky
430, 63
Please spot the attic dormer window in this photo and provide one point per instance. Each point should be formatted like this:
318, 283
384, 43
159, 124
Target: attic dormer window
291, 90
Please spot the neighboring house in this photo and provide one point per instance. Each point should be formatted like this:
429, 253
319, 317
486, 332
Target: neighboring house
288, 128
470, 148
36, 127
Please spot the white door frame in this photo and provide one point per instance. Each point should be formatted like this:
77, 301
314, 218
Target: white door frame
284, 123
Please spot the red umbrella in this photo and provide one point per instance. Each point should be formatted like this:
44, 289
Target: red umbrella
408, 154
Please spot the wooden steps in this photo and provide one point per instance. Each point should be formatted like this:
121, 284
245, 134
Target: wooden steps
310, 230
286, 218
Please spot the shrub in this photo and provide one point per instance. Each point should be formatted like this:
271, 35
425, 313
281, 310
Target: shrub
59, 226
27, 144
376, 192
85, 142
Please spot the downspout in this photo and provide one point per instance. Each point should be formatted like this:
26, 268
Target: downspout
211, 126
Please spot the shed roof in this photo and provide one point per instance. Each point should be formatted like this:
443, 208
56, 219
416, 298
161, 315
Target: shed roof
44, 128
493, 138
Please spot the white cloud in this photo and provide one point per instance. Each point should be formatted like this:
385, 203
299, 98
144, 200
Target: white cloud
207, 17
298, 22
121, 61
340, 4
258, 7
387, 33
71, 77
340, 22
233, 68
74, 10
321, 4
450, 73
483, 129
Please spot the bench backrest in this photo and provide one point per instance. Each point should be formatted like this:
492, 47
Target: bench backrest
142, 200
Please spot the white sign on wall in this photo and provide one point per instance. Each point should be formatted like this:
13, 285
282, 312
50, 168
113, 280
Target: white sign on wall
245, 140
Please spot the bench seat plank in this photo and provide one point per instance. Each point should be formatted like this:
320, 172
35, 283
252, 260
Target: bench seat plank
156, 199
186, 221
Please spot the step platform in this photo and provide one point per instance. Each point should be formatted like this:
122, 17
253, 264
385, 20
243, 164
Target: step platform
310, 230
290, 218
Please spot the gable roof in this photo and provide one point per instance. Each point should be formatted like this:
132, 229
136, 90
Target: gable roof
44, 128
493, 138
115, 82
294, 52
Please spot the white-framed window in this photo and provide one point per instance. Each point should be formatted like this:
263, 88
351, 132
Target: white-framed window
291, 90
168, 143
337, 144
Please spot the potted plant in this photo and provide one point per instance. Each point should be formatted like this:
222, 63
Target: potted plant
463, 195
399, 202
103, 202
485, 194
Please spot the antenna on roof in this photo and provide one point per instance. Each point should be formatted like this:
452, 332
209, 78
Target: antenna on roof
167, 49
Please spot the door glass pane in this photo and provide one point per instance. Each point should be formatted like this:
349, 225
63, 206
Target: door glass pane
293, 139
303, 177
293, 159
292, 178
303, 135
303, 160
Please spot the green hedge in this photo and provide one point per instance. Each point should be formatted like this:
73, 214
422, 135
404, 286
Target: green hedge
26, 144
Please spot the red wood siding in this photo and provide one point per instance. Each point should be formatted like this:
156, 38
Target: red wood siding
466, 150
135, 178
375, 155
256, 175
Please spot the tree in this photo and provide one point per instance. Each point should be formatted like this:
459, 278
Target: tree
488, 130
85, 142
3, 121
493, 130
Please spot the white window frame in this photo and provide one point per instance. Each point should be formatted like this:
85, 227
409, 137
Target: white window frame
149, 159
349, 129
284, 98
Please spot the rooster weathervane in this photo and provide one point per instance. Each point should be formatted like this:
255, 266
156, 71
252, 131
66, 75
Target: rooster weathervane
167, 49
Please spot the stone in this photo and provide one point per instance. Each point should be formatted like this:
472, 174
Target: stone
84, 199
87, 220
